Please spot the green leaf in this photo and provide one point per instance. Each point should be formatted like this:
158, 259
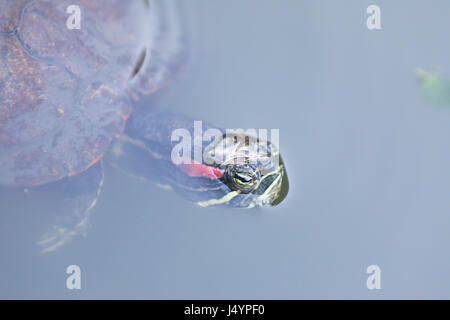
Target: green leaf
435, 88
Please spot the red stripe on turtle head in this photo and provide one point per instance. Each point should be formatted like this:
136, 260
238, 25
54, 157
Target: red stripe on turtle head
195, 169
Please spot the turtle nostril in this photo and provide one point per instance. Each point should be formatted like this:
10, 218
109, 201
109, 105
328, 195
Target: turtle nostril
139, 63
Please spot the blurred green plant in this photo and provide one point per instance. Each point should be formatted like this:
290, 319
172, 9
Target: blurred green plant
435, 87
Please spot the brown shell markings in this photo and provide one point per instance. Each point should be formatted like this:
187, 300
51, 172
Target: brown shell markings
63, 92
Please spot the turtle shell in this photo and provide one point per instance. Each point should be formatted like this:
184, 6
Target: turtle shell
65, 93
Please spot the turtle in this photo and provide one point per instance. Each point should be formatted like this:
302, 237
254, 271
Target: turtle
69, 106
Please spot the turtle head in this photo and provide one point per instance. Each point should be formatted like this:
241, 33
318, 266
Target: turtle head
208, 165
253, 172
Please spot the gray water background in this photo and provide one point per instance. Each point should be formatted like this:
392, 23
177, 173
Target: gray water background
368, 162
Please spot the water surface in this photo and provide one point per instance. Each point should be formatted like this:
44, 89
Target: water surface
368, 162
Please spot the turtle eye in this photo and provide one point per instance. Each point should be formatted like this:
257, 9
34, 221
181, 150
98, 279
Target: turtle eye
242, 178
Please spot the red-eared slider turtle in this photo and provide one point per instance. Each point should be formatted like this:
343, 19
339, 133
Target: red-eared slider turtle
67, 96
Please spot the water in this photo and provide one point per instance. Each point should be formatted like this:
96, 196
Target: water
368, 162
